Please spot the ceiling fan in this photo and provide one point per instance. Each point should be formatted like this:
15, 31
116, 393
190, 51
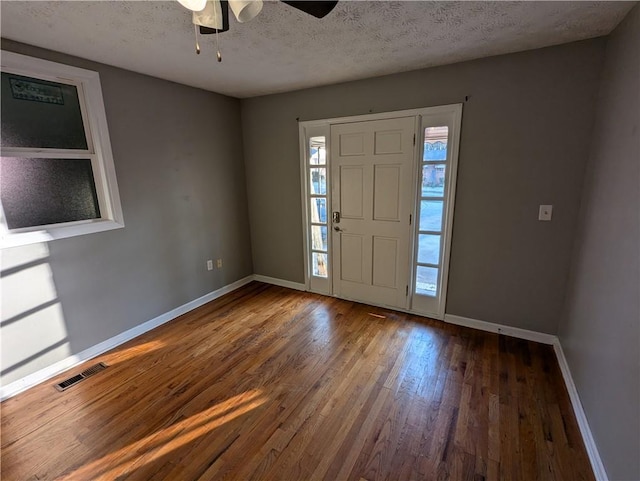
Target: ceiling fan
212, 16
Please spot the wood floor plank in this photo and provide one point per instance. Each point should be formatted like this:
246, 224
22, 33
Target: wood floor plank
267, 383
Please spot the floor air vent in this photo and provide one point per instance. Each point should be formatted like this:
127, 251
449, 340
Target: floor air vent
72, 381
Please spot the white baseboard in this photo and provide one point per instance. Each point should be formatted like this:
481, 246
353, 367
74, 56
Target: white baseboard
280, 282
583, 424
535, 336
48, 372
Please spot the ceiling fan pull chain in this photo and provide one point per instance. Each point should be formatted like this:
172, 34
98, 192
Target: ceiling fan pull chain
218, 54
195, 29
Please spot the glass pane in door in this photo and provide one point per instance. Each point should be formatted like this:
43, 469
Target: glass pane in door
319, 237
317, 151
427, 281
431, 215
433, 178
319, 210
428, 249
319, 264
318, 181
435, 143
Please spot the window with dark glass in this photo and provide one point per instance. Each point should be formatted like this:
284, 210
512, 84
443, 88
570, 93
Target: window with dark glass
57, 177
38, 117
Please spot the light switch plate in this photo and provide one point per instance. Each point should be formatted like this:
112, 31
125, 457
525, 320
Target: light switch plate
545, 212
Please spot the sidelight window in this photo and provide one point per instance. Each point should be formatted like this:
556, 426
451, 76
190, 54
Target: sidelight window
318, 206
439, 138
432, 191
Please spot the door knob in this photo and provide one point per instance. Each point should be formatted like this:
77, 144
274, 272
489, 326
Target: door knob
337, 229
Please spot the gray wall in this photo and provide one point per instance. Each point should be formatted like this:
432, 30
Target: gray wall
525, 136
179, 163
600, 330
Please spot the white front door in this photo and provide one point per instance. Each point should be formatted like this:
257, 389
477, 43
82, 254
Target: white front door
372, 167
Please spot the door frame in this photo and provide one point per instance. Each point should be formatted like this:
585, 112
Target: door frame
309, 128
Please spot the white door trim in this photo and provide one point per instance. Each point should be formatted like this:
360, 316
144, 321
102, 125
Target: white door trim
305, 125
381, 115
302, 139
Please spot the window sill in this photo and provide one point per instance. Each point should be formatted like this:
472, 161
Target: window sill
49, 233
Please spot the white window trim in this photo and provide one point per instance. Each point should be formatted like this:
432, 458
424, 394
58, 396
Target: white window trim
99, 151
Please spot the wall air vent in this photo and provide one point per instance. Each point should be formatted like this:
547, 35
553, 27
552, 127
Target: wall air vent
72, 381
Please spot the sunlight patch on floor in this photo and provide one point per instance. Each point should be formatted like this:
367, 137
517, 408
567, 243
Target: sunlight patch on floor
162, 442
123, 355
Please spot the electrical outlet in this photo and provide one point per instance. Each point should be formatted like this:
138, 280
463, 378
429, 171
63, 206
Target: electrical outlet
209, 265
545, 212
219, 263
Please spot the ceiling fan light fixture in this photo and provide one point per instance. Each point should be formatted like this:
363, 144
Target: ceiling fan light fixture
195, 5
210, 16
245, 10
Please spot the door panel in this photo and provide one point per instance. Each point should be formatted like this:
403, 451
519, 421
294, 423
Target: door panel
385, 259
386, 192
371, 173
388, 142
352, 144
352, 258
352, 191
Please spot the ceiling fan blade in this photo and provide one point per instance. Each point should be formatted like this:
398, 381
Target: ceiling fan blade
318, 9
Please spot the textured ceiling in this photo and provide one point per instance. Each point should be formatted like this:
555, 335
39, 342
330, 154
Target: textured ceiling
283, 49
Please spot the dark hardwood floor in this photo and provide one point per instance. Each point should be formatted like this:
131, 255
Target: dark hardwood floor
269, 383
